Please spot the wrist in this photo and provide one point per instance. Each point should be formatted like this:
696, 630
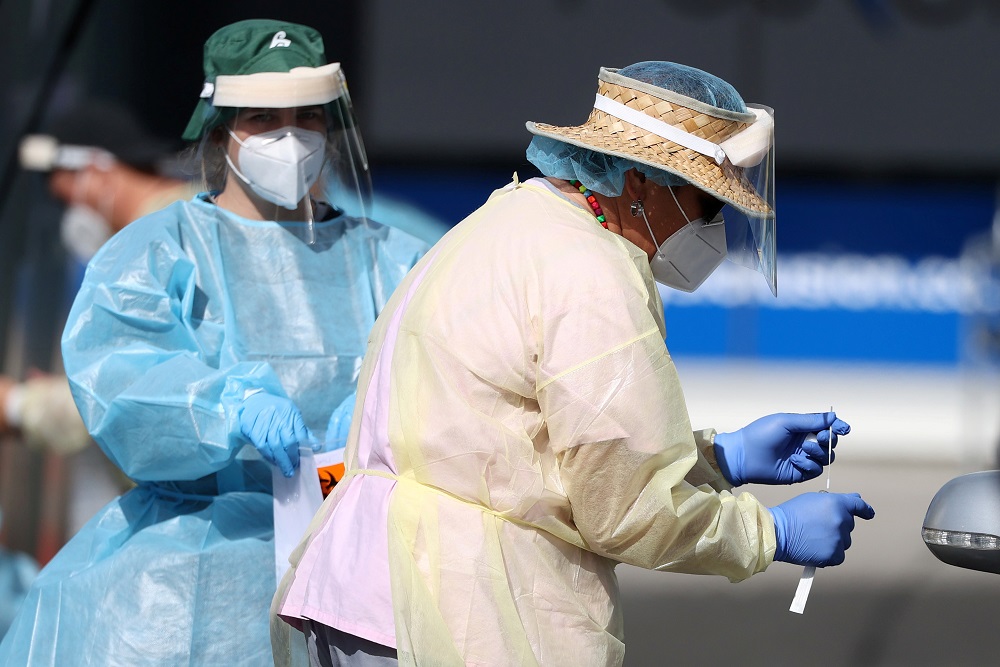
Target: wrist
780, 523
729, 456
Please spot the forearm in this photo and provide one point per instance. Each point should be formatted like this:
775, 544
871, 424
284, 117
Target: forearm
178, 420
639, 509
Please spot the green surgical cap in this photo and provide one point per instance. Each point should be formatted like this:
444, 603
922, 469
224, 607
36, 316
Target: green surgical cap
251, 47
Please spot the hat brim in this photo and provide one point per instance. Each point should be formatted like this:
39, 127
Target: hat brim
612, 136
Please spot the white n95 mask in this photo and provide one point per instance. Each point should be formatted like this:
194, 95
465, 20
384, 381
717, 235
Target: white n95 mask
690, 254
280, 165
83, 231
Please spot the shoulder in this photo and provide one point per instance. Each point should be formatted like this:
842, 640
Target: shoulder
155, 236
387, 238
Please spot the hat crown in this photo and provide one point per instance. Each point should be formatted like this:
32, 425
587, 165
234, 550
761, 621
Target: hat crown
699, 122
262, 45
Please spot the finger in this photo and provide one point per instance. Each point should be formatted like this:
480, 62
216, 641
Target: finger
858, 507
809, 469
289, 445
292, 450
821, 460
305, 438
810, 422
295, 428
814, 450
283, 462
840, 427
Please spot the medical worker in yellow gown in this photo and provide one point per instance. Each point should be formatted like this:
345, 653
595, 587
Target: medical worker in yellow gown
520, 428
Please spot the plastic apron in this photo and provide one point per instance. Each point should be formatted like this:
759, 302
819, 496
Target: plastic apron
180, 316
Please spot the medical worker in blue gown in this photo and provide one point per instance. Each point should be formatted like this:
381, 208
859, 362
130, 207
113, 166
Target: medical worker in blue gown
209, 341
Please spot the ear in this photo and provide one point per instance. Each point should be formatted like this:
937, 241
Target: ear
218, 135
635, 184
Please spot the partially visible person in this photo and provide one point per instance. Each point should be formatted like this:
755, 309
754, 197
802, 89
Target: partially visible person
209, 341
520, 428
41, 411
102, 169
106, 168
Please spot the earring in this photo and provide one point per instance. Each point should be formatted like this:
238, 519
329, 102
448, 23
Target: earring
636, 208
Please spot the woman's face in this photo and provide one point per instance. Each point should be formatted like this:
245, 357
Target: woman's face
250, 121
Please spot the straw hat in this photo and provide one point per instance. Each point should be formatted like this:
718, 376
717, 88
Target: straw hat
688, 120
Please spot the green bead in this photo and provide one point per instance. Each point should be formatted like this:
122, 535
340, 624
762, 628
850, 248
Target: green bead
601, 218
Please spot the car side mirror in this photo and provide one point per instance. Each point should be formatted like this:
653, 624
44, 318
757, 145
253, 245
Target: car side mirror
962, 526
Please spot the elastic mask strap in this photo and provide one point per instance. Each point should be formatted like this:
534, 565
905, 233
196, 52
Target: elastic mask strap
679, 207
230, 162
649, 227
237, 139
642, 210
237, 171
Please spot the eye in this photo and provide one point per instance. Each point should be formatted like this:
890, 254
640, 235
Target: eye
257, 116
311, 117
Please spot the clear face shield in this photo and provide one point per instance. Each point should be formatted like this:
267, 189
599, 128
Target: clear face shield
750, 226
298, 163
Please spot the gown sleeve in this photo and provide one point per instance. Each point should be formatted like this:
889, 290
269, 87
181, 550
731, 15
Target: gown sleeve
145, 371
641, 489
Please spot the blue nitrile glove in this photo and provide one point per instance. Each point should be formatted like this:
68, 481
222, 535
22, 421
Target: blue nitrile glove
774, 449
275, 427
339, 426
815, 528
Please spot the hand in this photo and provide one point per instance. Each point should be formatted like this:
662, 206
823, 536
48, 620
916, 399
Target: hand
275, 427
775, 449
815, 528
339, 426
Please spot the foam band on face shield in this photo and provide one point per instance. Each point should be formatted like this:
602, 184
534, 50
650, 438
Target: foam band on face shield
299, 87
744, 149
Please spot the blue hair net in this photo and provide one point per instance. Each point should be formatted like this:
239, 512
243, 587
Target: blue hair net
605, 173
688, 81
600, 172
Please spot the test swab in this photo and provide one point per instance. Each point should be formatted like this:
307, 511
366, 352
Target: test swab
809, 571
829, 454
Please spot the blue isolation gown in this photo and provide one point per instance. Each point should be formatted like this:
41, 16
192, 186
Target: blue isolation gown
17, 571
180, 316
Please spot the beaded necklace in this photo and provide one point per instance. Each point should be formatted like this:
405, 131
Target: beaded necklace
592, 200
